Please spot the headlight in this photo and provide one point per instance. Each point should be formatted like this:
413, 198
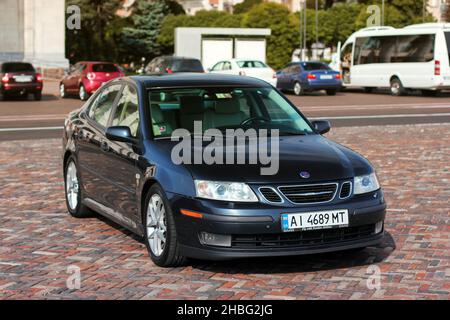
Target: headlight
365, 184
225, 191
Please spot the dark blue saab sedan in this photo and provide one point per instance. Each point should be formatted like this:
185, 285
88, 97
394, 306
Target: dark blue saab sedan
301, 77
217, 167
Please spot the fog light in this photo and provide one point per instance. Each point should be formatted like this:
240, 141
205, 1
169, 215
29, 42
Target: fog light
379, 227
218, 240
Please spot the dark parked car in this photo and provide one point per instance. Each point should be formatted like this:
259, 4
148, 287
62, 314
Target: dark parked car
85, 77
118, 162
20, 78
170, 64
301, 77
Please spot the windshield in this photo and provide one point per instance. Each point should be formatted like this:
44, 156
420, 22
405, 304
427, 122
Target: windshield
224, 108
104, 67
187, 65
17, 67
310, 66
251, 64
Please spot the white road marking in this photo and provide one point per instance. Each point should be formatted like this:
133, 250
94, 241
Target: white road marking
383, 116
29, 129
387, 116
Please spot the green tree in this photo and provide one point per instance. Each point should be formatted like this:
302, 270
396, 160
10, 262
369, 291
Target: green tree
284, 36
245, 6
141, 38
85, 44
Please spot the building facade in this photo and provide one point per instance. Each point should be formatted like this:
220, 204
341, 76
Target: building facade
33, 31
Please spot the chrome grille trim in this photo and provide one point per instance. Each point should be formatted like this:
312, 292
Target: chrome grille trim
274, 190
336, 189
349, 192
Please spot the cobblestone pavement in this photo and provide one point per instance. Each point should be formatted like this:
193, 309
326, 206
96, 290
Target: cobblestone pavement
40, 242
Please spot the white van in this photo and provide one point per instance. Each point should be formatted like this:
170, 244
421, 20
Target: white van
414, 57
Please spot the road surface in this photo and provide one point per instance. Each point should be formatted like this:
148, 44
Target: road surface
27, 119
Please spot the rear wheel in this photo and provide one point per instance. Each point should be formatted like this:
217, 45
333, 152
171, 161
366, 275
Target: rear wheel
37, 96
72, 188
83, 93
160, 233
397, 88
430, 93
298, 90
331, 92
62, 91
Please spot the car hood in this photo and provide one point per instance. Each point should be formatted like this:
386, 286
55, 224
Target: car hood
323, 159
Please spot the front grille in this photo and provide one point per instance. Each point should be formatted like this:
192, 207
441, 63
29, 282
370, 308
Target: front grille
346, 189
310, 193
301, 239
270, 195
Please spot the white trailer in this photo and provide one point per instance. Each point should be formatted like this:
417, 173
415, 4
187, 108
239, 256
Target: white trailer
211, 45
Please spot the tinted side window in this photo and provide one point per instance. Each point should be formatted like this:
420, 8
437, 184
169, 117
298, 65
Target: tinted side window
217, 67
127, 111
447, 39
415, 48
101, 107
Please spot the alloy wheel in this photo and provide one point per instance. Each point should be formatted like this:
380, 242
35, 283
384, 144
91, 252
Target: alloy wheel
62, 91
82, 93
72, 186
156, 225
297, 88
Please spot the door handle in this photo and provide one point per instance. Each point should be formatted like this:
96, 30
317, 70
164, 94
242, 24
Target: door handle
104, 146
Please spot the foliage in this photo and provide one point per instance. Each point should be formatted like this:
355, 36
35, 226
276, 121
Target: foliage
245, 6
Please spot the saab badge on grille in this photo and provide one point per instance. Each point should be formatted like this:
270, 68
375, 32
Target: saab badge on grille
305, 174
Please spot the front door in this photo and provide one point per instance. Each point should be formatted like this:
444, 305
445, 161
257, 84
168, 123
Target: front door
121, 163
93, 147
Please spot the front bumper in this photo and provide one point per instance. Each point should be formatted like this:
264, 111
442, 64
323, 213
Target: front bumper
261, 221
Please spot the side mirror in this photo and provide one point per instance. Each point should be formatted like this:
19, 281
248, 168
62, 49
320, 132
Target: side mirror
322, 126
120, 133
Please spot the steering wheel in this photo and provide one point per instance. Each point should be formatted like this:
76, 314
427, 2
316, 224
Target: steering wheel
249, 120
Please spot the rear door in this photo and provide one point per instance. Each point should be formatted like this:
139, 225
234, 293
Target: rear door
93, 147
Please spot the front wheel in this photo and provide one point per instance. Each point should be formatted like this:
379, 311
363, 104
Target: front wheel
160, 233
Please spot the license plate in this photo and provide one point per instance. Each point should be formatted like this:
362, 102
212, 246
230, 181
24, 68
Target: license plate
326, 77
314, 220
23, 79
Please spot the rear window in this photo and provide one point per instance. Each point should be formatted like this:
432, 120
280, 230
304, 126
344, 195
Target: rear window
310, 66
447, 39
17, 67
104, 67
187, 65
251, 64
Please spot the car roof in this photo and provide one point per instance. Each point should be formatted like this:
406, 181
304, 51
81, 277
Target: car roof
197, 80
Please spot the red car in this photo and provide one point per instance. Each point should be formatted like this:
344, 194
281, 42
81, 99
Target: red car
20, 78
86, 77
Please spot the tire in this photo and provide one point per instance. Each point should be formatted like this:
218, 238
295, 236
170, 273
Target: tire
62, 91
430, 93
298, 90
331, 92
368, 89
37, 96
72, 188
163, 249
397, 88
82, 93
